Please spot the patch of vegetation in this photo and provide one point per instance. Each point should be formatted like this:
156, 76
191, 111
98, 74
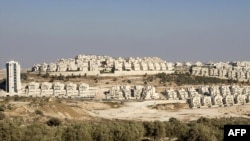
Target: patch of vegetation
24, 76
53, 122
186, 78
46, 75
203, 129
16, 98
150, 78
1, 108
2, 115
38, 112
60, 77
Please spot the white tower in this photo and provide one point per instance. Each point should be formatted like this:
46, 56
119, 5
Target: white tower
13, 80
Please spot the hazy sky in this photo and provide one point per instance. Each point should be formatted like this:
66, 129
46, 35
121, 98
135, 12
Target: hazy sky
34, 31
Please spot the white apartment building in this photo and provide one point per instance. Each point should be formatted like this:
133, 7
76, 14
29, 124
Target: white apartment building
13, 77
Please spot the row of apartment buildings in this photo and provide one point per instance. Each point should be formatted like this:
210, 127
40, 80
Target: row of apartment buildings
227, 70
57, 89
138, 92
224, 95
105, 63
151, 65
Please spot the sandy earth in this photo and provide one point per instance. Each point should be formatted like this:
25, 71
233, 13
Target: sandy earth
160, 110
141, 111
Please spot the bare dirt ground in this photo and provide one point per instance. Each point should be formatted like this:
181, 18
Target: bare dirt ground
160, 110
62, 109
143, 111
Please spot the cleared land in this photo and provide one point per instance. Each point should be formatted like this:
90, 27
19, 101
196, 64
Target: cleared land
26, 110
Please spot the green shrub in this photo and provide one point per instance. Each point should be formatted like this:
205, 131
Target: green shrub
186, 78
1, 109
24, 76
53, 122
16, 98
46, 75
2, 115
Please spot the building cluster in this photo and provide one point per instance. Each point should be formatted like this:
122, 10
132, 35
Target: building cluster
224, 95
94, 63
57, 89
208, 96
229, 70
132, 92
105, 63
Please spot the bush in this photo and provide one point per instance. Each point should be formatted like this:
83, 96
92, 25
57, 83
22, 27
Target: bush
46, 75
2, 116
185, 78
38, 112
53, 122
61, 77
24, 76
52, 79
16, 98
1, 109
150, 78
